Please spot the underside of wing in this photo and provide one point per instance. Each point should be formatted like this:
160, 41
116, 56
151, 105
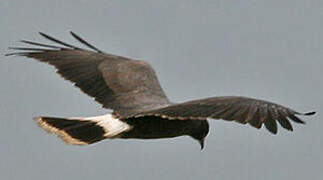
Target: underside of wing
232, 108
127, 86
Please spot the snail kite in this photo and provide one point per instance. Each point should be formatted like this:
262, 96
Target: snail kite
140, 107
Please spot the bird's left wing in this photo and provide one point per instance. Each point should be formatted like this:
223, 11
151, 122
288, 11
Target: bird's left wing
232, 108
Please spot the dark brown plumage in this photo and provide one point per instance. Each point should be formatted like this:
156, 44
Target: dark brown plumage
131, 89
231, 108
116, 82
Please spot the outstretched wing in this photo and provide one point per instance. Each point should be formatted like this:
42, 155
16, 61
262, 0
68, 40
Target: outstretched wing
232, 108
124, 85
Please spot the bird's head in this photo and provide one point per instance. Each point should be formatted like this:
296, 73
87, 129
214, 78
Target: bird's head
200, 131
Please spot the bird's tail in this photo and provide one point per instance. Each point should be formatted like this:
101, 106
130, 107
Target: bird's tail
81, 131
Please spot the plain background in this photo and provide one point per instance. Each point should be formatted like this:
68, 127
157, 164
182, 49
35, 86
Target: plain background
264, 49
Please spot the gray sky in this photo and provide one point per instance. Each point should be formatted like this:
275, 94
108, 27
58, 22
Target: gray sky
264, 49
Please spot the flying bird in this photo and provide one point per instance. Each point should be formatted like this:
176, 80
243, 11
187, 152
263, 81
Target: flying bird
141, 109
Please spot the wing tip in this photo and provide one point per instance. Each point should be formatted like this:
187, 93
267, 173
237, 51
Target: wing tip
309, 113
10, 54
42, 34
81, 40
72, 33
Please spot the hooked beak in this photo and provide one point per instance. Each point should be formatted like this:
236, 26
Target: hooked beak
201, 141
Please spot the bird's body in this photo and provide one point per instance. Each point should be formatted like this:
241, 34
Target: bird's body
140, 107
152, 127
92, 129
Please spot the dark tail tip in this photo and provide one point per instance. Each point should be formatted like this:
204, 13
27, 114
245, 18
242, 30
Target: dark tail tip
73, 131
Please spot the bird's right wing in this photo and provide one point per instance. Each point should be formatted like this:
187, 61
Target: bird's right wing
231, 108
116, 82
